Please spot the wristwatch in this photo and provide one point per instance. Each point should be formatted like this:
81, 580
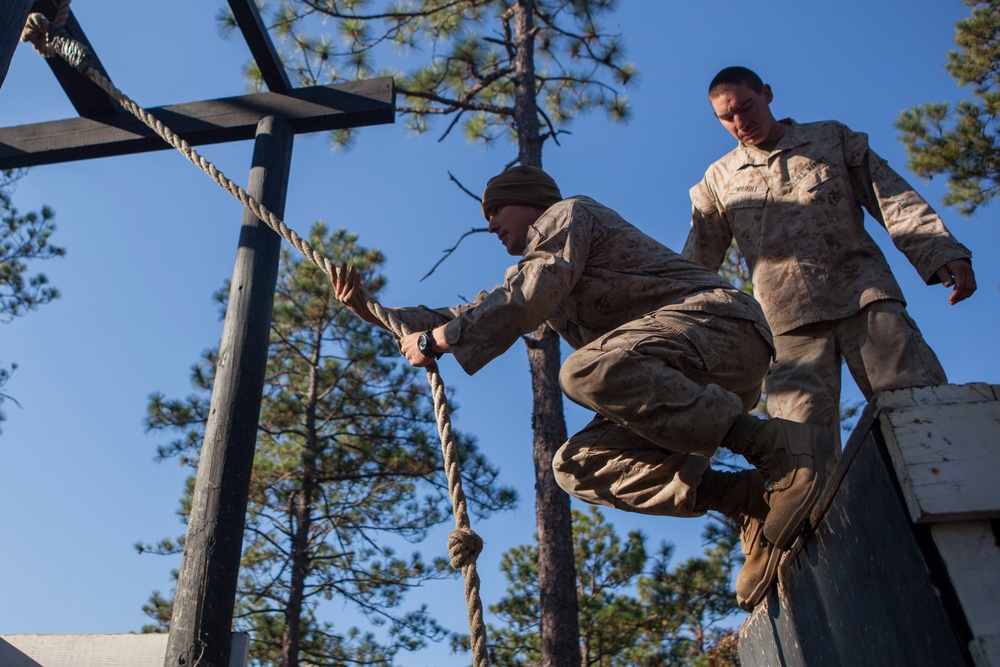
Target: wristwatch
425, 344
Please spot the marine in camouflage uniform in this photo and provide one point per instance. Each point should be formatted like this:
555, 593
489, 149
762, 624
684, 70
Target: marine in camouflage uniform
793, 197
668, 354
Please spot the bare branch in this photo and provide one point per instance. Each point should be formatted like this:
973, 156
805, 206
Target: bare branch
447, 253
463, 188
451, 126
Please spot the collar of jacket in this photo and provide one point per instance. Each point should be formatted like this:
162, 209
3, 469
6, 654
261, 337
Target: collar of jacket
791, 139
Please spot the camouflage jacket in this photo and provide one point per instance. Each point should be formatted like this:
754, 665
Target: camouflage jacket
585, 271
796, 213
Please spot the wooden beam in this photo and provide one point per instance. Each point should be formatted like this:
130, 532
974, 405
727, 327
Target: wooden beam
12, 16
86, 96
202, 616
312, 109
261, 46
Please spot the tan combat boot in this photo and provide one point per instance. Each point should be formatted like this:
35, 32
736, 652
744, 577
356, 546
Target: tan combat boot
793, 459
741, 497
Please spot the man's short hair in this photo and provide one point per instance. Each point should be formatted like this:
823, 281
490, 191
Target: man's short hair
732, 77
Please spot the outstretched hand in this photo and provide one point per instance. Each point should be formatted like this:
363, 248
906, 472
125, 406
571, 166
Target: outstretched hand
958, 273
347, 289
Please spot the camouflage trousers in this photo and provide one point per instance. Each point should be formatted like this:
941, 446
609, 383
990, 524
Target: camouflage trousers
667, 388
883, 349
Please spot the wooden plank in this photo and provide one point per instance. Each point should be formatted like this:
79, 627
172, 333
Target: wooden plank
945, 394
146, 650
972, 558
859, 591
12, 16
112, 650
86, 96
946, 454
261, 47
206, 584
314, 109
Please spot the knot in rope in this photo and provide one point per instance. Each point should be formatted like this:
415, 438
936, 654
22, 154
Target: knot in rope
36, 32
464, 547
49, 37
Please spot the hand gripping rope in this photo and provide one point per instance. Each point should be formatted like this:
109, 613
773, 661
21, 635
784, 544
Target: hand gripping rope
464, 545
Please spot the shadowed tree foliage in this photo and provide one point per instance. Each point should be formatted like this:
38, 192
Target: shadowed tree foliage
347, 472
635, 609
962, 141
514, 69
23, 238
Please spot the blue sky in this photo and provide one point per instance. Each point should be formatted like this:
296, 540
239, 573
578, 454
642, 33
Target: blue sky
150, 239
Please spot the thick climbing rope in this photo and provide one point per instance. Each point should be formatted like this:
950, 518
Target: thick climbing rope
464, 546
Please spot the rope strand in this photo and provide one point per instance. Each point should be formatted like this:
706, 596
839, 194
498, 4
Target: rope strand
465, 545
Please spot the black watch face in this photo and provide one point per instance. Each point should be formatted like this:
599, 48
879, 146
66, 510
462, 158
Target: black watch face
423, 344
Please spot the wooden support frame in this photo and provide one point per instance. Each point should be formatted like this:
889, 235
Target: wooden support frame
209, 122
257, 38
205, 598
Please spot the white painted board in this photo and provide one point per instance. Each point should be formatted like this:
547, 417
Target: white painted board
117, 650
945, 447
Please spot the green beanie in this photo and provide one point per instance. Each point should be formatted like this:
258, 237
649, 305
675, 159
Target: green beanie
520, 185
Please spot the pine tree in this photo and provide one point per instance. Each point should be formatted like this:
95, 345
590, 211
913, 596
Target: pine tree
347, 470
963, 142
635, 610
23, 238
520, 69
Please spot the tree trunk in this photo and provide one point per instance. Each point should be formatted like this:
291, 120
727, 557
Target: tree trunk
301, 510
559, 628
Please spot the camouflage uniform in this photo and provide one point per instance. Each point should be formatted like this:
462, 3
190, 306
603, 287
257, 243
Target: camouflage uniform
826, 288
667, 353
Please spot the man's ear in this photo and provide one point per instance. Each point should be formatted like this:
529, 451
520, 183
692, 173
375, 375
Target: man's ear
766, 92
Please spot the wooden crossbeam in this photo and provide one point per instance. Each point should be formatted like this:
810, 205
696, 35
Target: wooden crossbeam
314, 109
261, 47
85, 95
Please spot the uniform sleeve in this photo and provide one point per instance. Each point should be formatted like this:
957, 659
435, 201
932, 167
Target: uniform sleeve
915, 228
552, 263
710, 236
421, 318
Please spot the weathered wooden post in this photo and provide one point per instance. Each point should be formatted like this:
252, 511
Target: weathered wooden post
201, 624
13, 14
203, 605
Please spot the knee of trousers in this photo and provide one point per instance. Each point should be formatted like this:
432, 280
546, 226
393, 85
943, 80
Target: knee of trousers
564, 468
577, 373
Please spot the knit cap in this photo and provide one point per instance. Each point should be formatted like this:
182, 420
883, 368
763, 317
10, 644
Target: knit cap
520, 185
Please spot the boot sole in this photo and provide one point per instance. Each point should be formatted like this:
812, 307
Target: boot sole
759, 591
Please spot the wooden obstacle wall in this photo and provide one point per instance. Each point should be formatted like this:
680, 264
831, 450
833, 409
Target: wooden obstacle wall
903, 568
